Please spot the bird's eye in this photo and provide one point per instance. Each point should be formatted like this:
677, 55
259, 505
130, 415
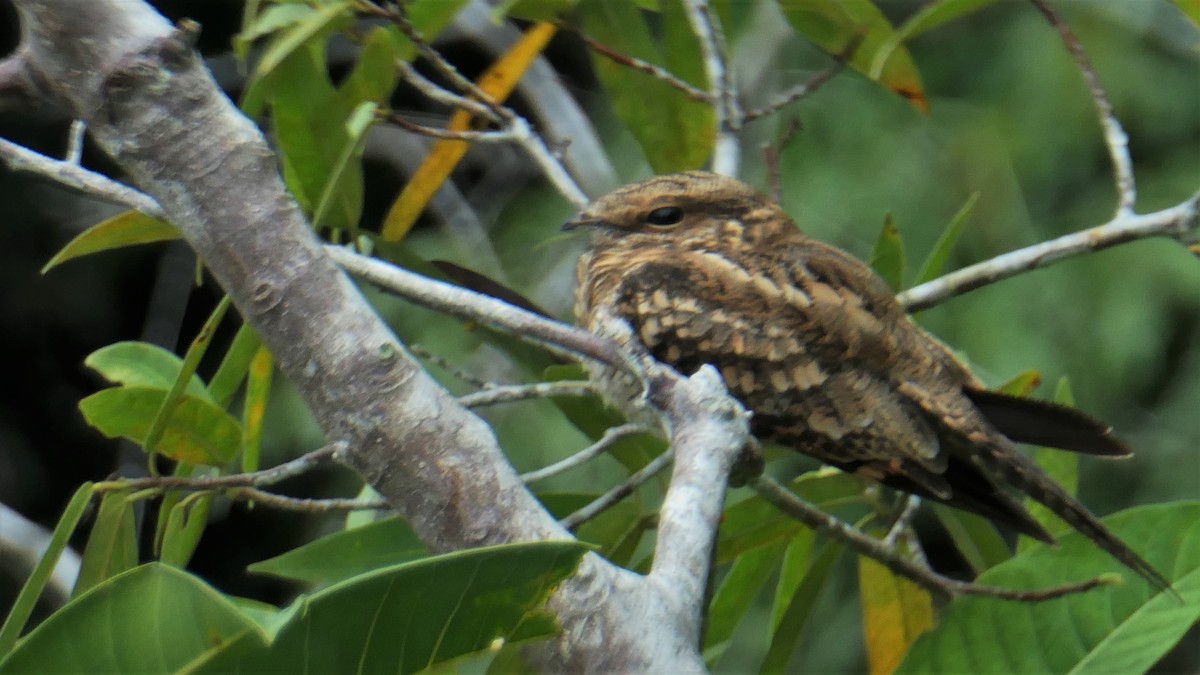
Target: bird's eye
665, 216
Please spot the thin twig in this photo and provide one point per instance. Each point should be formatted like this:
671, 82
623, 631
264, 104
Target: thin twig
470, 136
398, 15
657, 72
285, 503
771, 158
75, 142
726, 152
1115, 137
511, 393
443, 363
467, 304
275, 474
610, 498
795, 93
442, 95
901, 524
611, 436
1178, 222
786, 501
75, 176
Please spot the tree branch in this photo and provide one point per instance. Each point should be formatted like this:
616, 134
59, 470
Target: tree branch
723, 90
1178, 222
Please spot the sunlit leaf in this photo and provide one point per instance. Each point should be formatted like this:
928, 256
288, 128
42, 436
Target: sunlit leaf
126, 229
142, 364
184, 527
1190, 9
1122, 628
309, 27
1022, 384
197, 432
274, 18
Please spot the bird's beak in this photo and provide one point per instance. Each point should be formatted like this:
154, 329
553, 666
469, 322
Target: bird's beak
580, 220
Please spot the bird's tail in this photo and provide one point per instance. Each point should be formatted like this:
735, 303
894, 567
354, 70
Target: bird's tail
1001, 459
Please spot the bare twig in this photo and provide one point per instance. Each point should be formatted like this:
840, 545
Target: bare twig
795, 93
441, 362
510, 393
902, 521
726, 152
74, 176
626, 488
1178, 222
657, 72
466, 304
1115, 137
75, 142
483, 136
610, 437
815, 518
285, 503
442, 95
771, 158
275, 474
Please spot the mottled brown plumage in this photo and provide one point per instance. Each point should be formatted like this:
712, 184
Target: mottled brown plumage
707, 271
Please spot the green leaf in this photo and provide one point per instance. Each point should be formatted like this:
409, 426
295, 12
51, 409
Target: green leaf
674, 133
940, 253
346, 163
1123, 628
142, 364
184, 527
111, 546
273, 19
310, 130
408, 617
234, 365
933, 15
799, 610
126, 229
888, 256
151, 619
427, 16
615, 533
311, 28
27, 599
1022, 384
532, 10
374, 75
198, 432
797, 559
835, 25
754, 522
1190, 9
346, 554
735, 595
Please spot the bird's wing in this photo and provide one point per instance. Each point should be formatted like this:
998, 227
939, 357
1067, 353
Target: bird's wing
807, 358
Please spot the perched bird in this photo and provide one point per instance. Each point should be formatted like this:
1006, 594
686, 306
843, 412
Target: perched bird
707, 271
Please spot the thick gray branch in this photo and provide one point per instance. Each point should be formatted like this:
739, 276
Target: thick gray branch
151, 105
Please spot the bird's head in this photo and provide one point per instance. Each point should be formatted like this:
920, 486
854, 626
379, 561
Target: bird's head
682, 206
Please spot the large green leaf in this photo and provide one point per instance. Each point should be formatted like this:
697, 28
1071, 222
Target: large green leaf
346, 554
144, 365
408, 617
151, 619
197, 432
675, 133
1114, 629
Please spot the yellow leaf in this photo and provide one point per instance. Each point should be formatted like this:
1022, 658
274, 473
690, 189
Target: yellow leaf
895, 612
498, 82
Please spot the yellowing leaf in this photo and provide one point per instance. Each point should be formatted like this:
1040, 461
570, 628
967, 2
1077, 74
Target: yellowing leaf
125, 229
895, 612
498, 82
